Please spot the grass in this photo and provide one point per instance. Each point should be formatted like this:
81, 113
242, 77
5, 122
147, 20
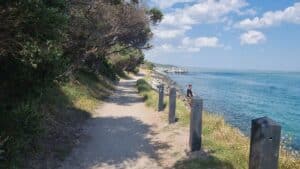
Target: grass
86, 90
76, 99
64, 107
226, 146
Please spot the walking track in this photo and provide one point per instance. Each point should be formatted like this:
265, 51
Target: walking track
125, 134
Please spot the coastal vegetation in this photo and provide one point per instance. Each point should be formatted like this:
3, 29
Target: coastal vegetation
224, 146
59, 59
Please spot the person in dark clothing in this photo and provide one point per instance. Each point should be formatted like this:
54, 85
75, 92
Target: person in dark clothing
189, 92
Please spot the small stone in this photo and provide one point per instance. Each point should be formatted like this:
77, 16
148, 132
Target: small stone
77, 142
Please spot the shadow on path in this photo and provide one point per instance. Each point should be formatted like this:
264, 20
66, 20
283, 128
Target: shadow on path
119, 143
125, 94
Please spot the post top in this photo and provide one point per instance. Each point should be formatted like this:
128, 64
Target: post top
265, 121
172, 88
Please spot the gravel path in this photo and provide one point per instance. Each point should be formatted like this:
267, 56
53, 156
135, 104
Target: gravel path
125, 134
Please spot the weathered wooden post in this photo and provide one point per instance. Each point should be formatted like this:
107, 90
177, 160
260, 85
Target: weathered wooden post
265, 142
160, 97
172, 105
196, 124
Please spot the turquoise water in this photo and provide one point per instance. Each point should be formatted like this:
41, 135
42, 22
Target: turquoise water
242, 96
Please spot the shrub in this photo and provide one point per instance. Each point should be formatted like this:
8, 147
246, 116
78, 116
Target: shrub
21, 127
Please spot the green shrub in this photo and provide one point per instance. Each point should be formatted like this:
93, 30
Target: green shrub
136, 70
106, 69
148, 65
143, 86
21, 127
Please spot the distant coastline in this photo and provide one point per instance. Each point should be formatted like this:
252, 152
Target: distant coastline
227, 69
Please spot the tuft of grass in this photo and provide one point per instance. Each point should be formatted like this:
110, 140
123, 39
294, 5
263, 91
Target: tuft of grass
226, 146
149, 95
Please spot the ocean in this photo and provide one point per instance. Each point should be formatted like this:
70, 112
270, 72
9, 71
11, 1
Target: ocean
241, 96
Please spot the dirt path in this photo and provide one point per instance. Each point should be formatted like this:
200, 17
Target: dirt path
125, 134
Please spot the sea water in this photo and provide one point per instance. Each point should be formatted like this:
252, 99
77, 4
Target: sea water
241, 96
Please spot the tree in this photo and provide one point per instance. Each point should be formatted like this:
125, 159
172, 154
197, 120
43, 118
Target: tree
31, 36
156, 15
96, 26
44, 40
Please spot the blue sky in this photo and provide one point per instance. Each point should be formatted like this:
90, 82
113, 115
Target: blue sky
228, 34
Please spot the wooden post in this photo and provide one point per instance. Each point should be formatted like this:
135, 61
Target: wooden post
265, 142
172, 105
160, 97
196, 124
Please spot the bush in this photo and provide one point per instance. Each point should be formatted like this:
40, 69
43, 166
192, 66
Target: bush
136, 70
107, 70
148, 65
21, 127
143, 86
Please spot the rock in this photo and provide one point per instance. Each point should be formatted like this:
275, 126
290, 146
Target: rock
77, 142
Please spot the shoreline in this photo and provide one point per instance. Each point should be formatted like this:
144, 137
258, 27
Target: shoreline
159, 77
220, 139
167, 81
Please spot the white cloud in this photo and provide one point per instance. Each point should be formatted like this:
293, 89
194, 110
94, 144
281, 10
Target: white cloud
251, 12
162, 49
177, 23
187, 45
252, 37
167, 47
170, 32
205, 11
289, 15
201, 42
168, 3
195, 45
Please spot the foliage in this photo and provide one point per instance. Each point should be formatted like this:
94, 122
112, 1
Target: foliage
31, 34
155, 15
97, 26
148, 65
22, 127
126, 59
45, 43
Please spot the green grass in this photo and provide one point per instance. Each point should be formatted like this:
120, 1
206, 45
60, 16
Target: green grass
74, 101
59, 112
87, 90
226, 146
149, 95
